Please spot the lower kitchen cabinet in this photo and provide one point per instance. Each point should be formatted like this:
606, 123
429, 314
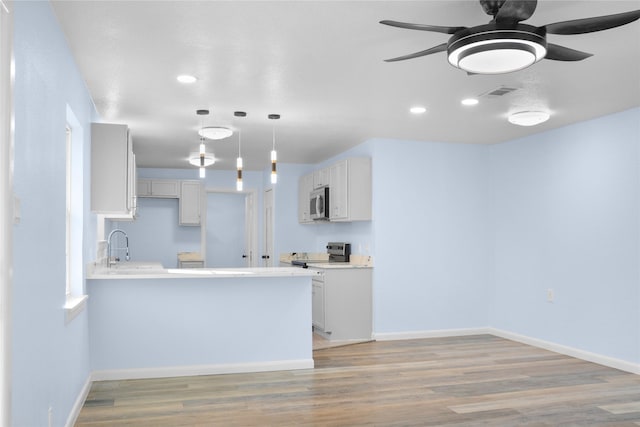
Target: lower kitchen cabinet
342, 303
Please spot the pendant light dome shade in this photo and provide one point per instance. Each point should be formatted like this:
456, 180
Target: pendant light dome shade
215, 132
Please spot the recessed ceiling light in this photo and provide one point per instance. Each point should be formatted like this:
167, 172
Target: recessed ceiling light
418, 110
185, 78
528, 118
469, 101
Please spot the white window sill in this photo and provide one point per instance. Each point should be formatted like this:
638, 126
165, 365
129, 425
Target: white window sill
74, 307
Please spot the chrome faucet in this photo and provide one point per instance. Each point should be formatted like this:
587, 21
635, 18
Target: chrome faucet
127, 257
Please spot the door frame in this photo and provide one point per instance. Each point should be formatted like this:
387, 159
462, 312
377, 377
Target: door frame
251, 222
7, 210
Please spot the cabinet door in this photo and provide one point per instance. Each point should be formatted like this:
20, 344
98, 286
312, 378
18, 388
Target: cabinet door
164, 188
321, 178
144, 187
112, 169
317, 304
305, 185
189, 203
338, 192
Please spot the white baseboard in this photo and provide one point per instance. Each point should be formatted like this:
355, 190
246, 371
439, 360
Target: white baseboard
611, 362
437, 333
77, 405
185, 371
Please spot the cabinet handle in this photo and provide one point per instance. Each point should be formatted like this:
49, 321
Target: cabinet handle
244, 256
265, 256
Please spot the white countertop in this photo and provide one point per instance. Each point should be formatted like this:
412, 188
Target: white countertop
156, 271
335, 265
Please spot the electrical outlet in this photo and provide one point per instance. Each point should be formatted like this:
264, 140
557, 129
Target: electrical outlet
550, 295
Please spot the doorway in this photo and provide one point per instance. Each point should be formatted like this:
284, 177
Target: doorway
228, 238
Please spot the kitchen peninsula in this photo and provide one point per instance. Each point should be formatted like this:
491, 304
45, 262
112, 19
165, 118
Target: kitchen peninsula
147, 321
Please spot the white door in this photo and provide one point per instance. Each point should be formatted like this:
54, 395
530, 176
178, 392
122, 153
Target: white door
251, 252
267, 251
225, 230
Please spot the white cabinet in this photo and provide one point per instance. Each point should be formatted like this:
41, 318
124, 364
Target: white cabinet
169, 188
317, 306
190, 195
113, 171
190, 264
350, 190
305, 185
342, 304
321, 178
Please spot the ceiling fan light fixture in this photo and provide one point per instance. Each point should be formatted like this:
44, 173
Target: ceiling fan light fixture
215, 132
489, 50
528, 118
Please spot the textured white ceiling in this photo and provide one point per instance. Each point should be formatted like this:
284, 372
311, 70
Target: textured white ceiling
320, 65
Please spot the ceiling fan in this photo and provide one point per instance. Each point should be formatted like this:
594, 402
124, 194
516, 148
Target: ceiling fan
504, 44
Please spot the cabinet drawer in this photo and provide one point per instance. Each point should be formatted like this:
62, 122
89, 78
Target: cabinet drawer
191, 264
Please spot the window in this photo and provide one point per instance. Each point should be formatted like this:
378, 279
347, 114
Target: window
69, 222
74, 218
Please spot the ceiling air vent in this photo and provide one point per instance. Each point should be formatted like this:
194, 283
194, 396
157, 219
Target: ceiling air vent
500, 91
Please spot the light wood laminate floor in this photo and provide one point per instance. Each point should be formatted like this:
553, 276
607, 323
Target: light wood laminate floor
460, 381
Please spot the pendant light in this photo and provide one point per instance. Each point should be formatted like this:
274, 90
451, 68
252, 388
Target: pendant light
274, 155
202, 159
239, 159
202, 153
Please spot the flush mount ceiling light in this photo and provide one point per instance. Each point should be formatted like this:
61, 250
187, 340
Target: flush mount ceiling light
185, 78
469, 102
488, 50
528, 118
418, 110
215, 132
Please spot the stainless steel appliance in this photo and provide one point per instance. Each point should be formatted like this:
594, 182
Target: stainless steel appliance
319, 204
338, 252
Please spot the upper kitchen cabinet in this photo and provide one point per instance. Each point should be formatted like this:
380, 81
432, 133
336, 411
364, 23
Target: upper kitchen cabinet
113, 171
305, 186
162, 188
321, 178
350, 190
190, 195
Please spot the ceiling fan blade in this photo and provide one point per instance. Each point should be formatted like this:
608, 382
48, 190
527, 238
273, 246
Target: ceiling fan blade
423, 27
514, 11
590, 25
440, 48
561, 53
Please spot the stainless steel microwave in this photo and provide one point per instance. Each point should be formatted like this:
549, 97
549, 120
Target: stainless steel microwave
319, 204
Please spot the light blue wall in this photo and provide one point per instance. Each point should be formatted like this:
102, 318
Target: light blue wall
50, 359
156, 235
432, 229
566, 210
199, 322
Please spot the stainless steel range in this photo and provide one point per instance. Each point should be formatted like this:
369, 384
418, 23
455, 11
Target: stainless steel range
338, 252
